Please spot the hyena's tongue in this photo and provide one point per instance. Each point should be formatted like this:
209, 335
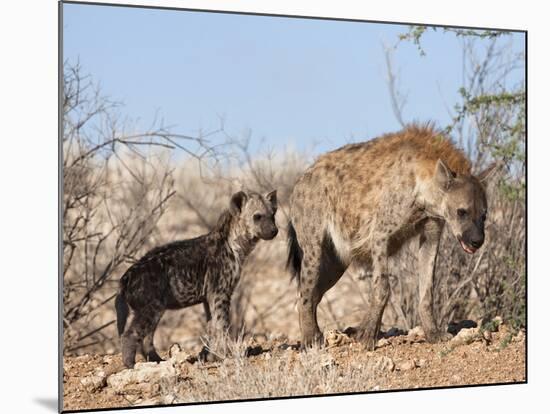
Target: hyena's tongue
466, 248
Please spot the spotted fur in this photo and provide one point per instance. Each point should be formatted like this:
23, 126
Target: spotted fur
359, 204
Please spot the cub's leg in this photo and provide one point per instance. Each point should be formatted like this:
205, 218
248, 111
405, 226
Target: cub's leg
217, 307
143, 324
218, 304
149, 351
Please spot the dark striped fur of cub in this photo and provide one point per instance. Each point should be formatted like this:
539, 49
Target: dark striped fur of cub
183, 273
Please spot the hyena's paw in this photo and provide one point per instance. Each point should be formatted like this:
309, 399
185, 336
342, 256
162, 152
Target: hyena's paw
316, 340
128, 362
129, 348
154, 357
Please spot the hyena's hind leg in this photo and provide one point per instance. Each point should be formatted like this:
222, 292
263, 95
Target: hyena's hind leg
321, 268
143, 325
149, 352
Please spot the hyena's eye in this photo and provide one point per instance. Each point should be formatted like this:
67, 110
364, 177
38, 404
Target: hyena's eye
257, 217
461, 213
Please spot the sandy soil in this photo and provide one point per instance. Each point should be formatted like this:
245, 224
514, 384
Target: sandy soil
399, 362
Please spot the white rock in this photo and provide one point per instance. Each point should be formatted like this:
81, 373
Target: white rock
406, 365
143, 373
336, 338
180, 357
416, 334
466, 336
95, 381
384, 364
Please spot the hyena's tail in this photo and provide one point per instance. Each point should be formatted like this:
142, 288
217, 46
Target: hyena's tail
295, 253
122, 311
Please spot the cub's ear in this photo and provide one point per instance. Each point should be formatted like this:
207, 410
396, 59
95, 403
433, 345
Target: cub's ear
237, 202
488, 172
444, 176
272, 198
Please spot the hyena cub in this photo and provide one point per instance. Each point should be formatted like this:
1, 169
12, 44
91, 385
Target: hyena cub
203, 270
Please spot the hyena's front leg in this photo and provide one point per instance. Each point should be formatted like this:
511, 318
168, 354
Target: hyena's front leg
217, 307
427, 255
379, 295
219, 304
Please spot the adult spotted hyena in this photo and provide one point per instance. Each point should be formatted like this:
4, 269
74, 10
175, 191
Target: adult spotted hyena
360, 203
204, 270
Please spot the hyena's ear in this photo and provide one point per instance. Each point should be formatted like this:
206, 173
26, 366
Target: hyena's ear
444, 176
272, 198
237, 202
488, 172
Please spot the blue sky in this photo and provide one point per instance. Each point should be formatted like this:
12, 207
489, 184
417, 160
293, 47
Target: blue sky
291, 82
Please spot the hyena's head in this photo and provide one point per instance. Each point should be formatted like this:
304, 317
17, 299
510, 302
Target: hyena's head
256, 213
463, 204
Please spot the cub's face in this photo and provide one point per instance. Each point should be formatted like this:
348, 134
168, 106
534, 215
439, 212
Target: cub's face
257, 213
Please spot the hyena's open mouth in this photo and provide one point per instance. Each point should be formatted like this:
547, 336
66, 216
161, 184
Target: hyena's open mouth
466, 248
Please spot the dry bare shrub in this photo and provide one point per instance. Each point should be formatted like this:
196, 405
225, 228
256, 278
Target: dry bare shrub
116, 187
